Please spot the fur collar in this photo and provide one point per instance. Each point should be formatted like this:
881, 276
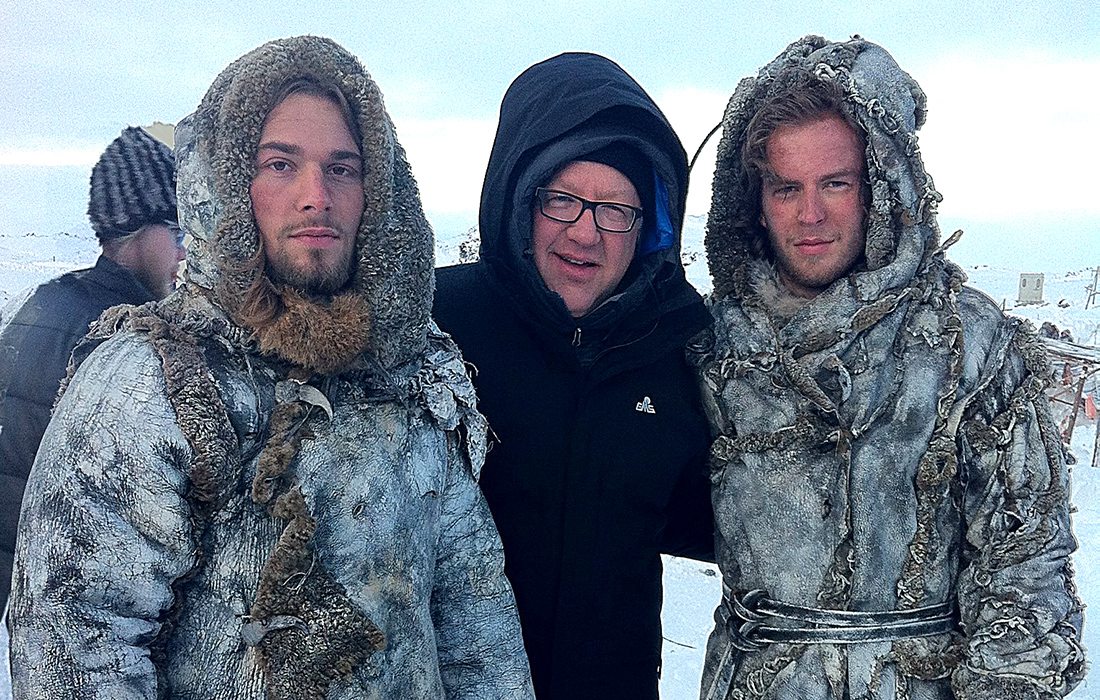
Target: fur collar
776, 299
322, 337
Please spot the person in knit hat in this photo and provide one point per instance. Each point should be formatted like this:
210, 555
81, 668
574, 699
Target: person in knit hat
132, 209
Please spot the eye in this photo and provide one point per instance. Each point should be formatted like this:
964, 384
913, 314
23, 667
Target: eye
344, 170
783, 192
837, 184
279, 166
613, 213
558, 200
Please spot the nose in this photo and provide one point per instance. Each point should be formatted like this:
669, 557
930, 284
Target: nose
313, 190
583, 231
812, 208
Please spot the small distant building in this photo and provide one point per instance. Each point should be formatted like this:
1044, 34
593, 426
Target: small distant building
165, 133
1031, 288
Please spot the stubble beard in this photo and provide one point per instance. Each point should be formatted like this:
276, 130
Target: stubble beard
159, 287
317, 277
808, 278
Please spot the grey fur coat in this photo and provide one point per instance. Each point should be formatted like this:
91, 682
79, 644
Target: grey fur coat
227, 509
884, 446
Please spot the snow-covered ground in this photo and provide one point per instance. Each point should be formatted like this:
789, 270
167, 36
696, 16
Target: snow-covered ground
692, 588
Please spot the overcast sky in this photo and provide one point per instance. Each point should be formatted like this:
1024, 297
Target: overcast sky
1012, 139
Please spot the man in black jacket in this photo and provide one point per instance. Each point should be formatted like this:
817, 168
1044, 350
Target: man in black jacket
576, 317
132, 209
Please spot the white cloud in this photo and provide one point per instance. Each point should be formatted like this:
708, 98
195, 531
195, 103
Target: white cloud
1014, 136
448, 159
50, 157
693, 112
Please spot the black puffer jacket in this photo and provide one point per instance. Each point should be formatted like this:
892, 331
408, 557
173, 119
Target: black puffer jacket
34, 351
599, 459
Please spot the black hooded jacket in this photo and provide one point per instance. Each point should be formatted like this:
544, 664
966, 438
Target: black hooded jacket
599, 461
35, 344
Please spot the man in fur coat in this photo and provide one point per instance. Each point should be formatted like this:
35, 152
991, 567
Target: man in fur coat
890, 493
264, 486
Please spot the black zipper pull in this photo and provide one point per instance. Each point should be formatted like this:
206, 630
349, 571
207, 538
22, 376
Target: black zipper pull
577, 338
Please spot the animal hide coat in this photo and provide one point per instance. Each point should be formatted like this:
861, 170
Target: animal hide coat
885, 446
287, 510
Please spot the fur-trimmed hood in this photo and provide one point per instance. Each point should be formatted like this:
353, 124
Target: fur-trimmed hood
890, 107
393, 281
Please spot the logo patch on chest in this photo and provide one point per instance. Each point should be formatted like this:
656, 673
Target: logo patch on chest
645, 406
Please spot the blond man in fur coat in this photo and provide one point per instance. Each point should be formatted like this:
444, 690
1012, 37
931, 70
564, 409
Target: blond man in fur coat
890, 493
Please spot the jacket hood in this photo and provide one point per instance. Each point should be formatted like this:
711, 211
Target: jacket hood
555, 112
384, 311
889, 107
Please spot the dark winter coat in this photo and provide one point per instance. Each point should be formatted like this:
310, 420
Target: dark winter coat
36, 341
239, 506
884, 446
598, 461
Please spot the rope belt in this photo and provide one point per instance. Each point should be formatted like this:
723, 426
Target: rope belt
754, 621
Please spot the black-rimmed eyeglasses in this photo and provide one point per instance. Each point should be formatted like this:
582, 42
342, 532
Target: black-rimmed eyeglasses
611, 217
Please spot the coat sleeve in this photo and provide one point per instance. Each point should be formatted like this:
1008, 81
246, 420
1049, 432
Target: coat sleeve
689, 518
480, 647
1020, 613
104, 533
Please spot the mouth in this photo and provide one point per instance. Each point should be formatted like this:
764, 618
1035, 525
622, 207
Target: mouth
575, 262
315, 232
316, 237
813, 246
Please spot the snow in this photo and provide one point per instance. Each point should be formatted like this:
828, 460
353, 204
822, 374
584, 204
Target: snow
692, 589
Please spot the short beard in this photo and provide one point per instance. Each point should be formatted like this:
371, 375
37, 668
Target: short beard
158, 288
315, 280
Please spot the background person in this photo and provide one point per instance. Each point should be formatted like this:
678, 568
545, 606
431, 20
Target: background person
576, 317
132, 209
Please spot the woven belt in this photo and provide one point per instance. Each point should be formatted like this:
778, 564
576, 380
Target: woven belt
754, 621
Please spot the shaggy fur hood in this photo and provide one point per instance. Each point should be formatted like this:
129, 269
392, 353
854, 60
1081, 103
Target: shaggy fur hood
890, 107
391, 291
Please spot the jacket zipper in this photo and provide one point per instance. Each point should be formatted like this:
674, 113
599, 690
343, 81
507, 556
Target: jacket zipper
577, 338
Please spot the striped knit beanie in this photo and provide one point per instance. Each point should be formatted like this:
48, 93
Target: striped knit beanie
133, 184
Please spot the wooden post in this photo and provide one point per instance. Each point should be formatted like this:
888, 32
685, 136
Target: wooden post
1095, 289
1073, 410
1096, 447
